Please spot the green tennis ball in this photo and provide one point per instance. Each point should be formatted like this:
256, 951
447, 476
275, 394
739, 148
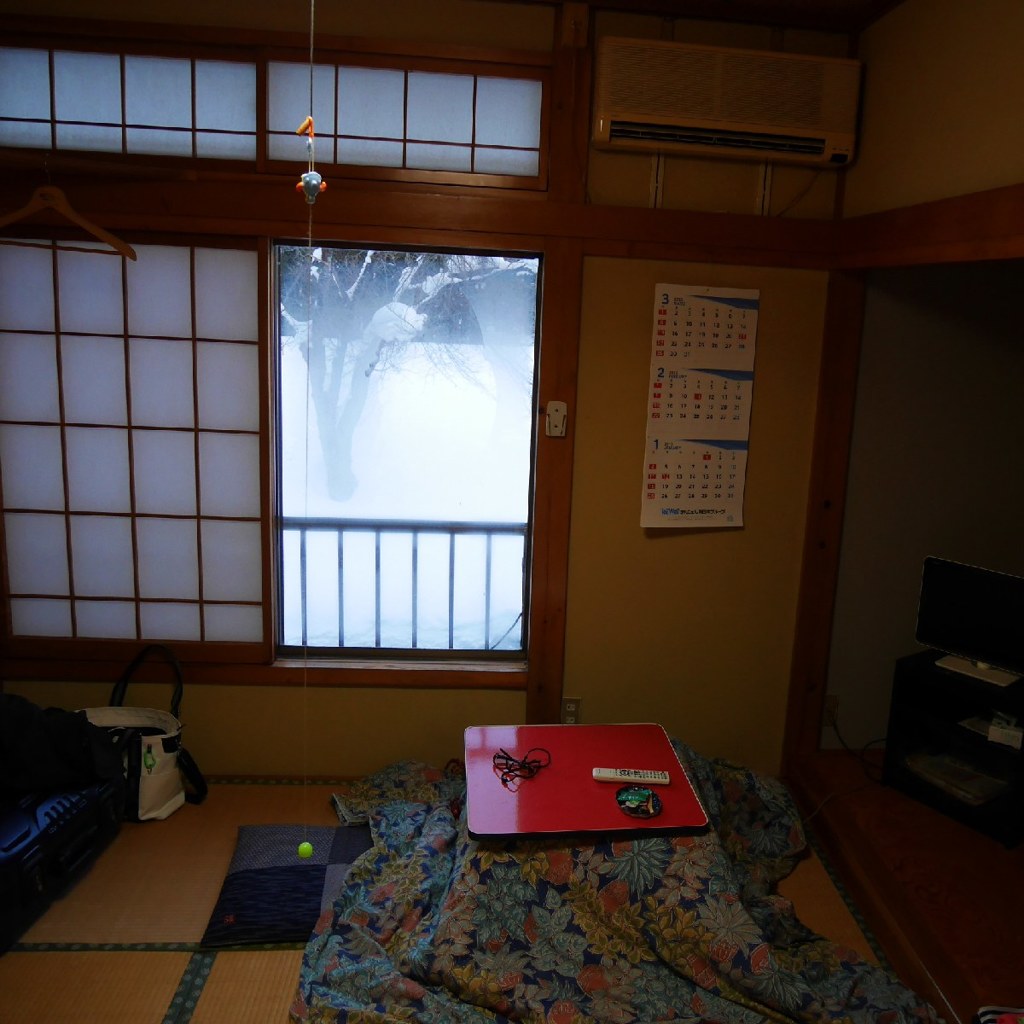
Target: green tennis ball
305, 850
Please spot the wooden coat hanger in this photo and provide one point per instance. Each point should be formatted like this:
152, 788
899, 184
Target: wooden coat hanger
49, 197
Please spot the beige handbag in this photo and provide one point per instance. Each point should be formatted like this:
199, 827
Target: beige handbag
160, 775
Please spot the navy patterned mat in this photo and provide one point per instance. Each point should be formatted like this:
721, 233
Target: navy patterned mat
270, 894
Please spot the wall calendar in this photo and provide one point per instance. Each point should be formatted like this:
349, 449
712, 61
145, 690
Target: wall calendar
698, 406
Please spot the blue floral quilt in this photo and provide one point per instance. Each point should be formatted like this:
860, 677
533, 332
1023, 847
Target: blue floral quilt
434, 927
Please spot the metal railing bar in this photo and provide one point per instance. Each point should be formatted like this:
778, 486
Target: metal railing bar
415, 556
487, 593
451, 591
376, 589
398, 526
303, 588
341, 588
414, 529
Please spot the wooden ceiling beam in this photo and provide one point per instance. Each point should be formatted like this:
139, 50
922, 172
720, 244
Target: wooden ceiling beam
841, 16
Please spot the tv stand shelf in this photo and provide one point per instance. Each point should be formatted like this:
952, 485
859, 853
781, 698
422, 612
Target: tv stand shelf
939, 750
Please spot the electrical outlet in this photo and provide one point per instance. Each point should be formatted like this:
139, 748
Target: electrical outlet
831, 708
572, 711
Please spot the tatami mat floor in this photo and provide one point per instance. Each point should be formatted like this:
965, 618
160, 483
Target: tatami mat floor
122, 947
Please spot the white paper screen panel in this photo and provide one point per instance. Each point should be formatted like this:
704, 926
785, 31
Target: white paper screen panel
104, 102
88, 288
231, 561
223, 280
507, 112
177, 621
37, 553
93, 375
28, 357
130, 443
419, 120
32, 461
442, 158
87, 101
164, 472
161, 382
101, 556
184, 107
159, 293
515, 162
113, 620
371, 102
158, 91
228, 378
440, 108
98, 470
25, 98
288, 104
371, 116
233, 461
168, 559
231, 621
507, 115
41, 617
26, 272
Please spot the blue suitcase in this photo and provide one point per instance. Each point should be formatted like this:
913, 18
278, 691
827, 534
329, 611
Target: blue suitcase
47, 842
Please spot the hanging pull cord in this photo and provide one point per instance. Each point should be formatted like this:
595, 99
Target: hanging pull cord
310, 184
311, 187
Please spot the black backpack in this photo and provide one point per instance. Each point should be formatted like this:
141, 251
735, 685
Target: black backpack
53, 750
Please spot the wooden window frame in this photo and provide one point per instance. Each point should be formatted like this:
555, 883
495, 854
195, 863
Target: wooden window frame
58, 658
262, 49
212, 210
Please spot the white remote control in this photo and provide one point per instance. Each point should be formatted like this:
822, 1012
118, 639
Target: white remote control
635, 775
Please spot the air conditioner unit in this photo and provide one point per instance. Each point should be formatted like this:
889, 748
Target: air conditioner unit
677, 98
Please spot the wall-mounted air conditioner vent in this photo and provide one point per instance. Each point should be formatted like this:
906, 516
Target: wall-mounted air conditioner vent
707, 100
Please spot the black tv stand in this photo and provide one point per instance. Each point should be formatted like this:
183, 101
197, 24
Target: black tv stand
946, 745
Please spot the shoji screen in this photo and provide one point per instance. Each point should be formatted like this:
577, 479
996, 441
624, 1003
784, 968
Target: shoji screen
129, 442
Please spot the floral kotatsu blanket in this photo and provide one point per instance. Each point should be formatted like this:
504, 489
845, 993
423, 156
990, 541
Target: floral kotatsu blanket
434, 927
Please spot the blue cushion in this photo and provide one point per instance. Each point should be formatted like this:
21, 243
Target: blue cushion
270, 894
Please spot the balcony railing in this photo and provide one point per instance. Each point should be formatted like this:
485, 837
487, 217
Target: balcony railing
402, 585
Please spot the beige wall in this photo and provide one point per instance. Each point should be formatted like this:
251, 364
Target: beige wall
944, 90
690, 628
276, 731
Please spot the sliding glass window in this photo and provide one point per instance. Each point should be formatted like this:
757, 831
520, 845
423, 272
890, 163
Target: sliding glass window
406, 396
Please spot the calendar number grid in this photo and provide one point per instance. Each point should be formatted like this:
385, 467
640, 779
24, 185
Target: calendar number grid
698, 406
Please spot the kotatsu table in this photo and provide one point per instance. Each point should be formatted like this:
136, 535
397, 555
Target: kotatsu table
556, 792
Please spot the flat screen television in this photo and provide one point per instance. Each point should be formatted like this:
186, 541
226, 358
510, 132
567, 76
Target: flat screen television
973, 614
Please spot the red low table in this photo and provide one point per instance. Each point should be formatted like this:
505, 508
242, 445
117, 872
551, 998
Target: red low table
564, 797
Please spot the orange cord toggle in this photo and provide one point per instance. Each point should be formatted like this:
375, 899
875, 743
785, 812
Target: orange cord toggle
310, 184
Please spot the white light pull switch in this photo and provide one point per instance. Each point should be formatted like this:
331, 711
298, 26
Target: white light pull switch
555, 418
